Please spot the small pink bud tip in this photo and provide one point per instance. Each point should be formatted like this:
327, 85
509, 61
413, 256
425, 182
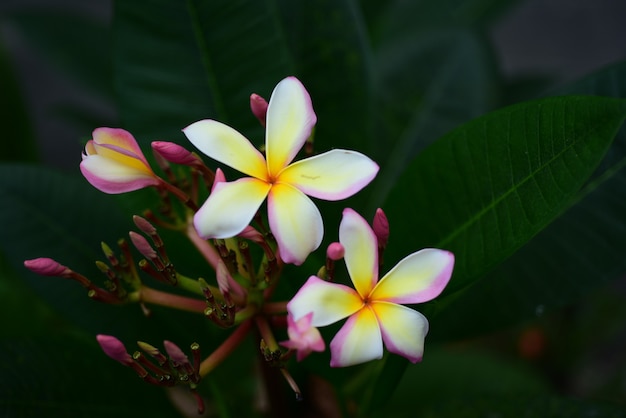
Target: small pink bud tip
220, 177
175, 353
144, 225
249, 232
174, 153
381, 227
46, 267
142, 245
258, 105
335, 251
114, 348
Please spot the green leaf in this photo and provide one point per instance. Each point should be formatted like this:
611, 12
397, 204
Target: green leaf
176, 62
47, 214
66, 376
582, 250
486, 188
19, 143
451, 71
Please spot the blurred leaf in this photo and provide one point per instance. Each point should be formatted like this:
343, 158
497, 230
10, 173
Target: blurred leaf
582, 250
451, 374
486, 188
65, 376
430, 83
176, 62
76, 44
19, 143
47, 214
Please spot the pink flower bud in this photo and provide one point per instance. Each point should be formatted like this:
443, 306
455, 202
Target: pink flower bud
219, 178
335, 251
303, 337
174, 153
114, 348
227, 284
144, 225
258, 105
46, 267
249, 232
175, 353
381, 228
113, 162
142, 245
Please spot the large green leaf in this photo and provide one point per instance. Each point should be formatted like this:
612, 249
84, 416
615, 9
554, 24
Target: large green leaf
582, 250
486, 188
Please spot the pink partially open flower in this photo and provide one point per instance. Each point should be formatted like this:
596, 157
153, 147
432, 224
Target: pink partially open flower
294, 220
303, 337
373, 308
113, 162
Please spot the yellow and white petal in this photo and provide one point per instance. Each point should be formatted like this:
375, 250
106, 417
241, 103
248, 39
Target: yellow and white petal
290, 118
226, 145
334, 175
295, 222
121, 156
358, 341
230, 207
329, 302
361, 251
120, 138
111, 176
417, 278
403, 329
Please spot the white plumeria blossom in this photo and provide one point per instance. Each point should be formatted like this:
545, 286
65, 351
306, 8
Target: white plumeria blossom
294, 220
373, 308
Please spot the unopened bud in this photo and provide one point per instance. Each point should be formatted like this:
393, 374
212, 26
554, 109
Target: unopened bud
175, 153
175, 353
335, 251
220, 177
153, 352
380, 225
258, 105
114, 348
142, 245
144, 225
46, 267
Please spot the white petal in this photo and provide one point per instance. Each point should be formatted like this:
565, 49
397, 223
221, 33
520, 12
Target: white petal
226, 145
361, 251
290, 118
329, 302
417, 278
334, 175
403, 329
230, 208
358, 341
295, 222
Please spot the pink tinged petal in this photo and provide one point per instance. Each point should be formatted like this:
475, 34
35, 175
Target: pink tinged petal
110, 176
417, 278
226, 145
329, 302
290, 118
358, 341
119, 138
334, 175
403, 329
361, 251
230, 207
295, 222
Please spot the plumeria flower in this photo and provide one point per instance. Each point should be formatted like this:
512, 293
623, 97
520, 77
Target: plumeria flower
373, 308
303, 337
294, 220
113, 162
